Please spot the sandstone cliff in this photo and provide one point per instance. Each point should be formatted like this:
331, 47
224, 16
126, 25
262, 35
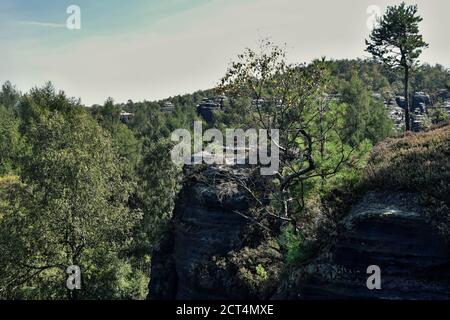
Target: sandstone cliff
400, 222
386, 229
212, 251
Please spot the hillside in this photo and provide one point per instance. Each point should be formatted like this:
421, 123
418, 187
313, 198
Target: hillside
397, 218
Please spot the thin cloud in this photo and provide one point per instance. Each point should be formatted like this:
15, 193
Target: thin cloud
43, 24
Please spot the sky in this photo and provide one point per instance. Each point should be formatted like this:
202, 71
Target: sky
153, 49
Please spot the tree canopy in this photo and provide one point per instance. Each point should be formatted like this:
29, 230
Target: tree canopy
397, 43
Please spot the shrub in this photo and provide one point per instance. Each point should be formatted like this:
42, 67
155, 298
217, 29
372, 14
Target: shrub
261, 272
297, 248
416, 162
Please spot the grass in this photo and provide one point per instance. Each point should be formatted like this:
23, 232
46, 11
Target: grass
416, 162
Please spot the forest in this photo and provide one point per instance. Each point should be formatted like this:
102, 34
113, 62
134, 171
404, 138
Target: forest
82, 185
79, 186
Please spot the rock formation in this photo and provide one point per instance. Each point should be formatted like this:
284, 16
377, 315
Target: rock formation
211, 250
389, 230
210, 106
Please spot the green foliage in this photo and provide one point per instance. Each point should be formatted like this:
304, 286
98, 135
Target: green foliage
84, 183
79, 186
108, 115
377, 78
374, 76
438, 115
277, 95
296, 248
365, 117
11, 143
234, 115
158, 177
431, 79
72, 205
256, 270
318, 151
9, 96
396, 40
261, 272
125, 143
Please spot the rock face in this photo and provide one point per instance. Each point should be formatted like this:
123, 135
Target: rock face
209, 107
214, 250
400, 102
419, 102
210, 252
389, 230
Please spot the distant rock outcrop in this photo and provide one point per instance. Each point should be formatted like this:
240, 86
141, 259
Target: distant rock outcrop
388, 230
168, 107
209, 107
420, 102
401, 102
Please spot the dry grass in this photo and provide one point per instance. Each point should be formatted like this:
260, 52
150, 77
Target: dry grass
417, 162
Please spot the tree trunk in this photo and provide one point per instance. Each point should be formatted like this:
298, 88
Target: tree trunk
406, 94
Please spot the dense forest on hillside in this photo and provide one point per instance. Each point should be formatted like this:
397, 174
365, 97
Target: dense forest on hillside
80, 185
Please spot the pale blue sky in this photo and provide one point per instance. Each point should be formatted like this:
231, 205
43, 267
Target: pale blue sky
41, 19
151, 49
